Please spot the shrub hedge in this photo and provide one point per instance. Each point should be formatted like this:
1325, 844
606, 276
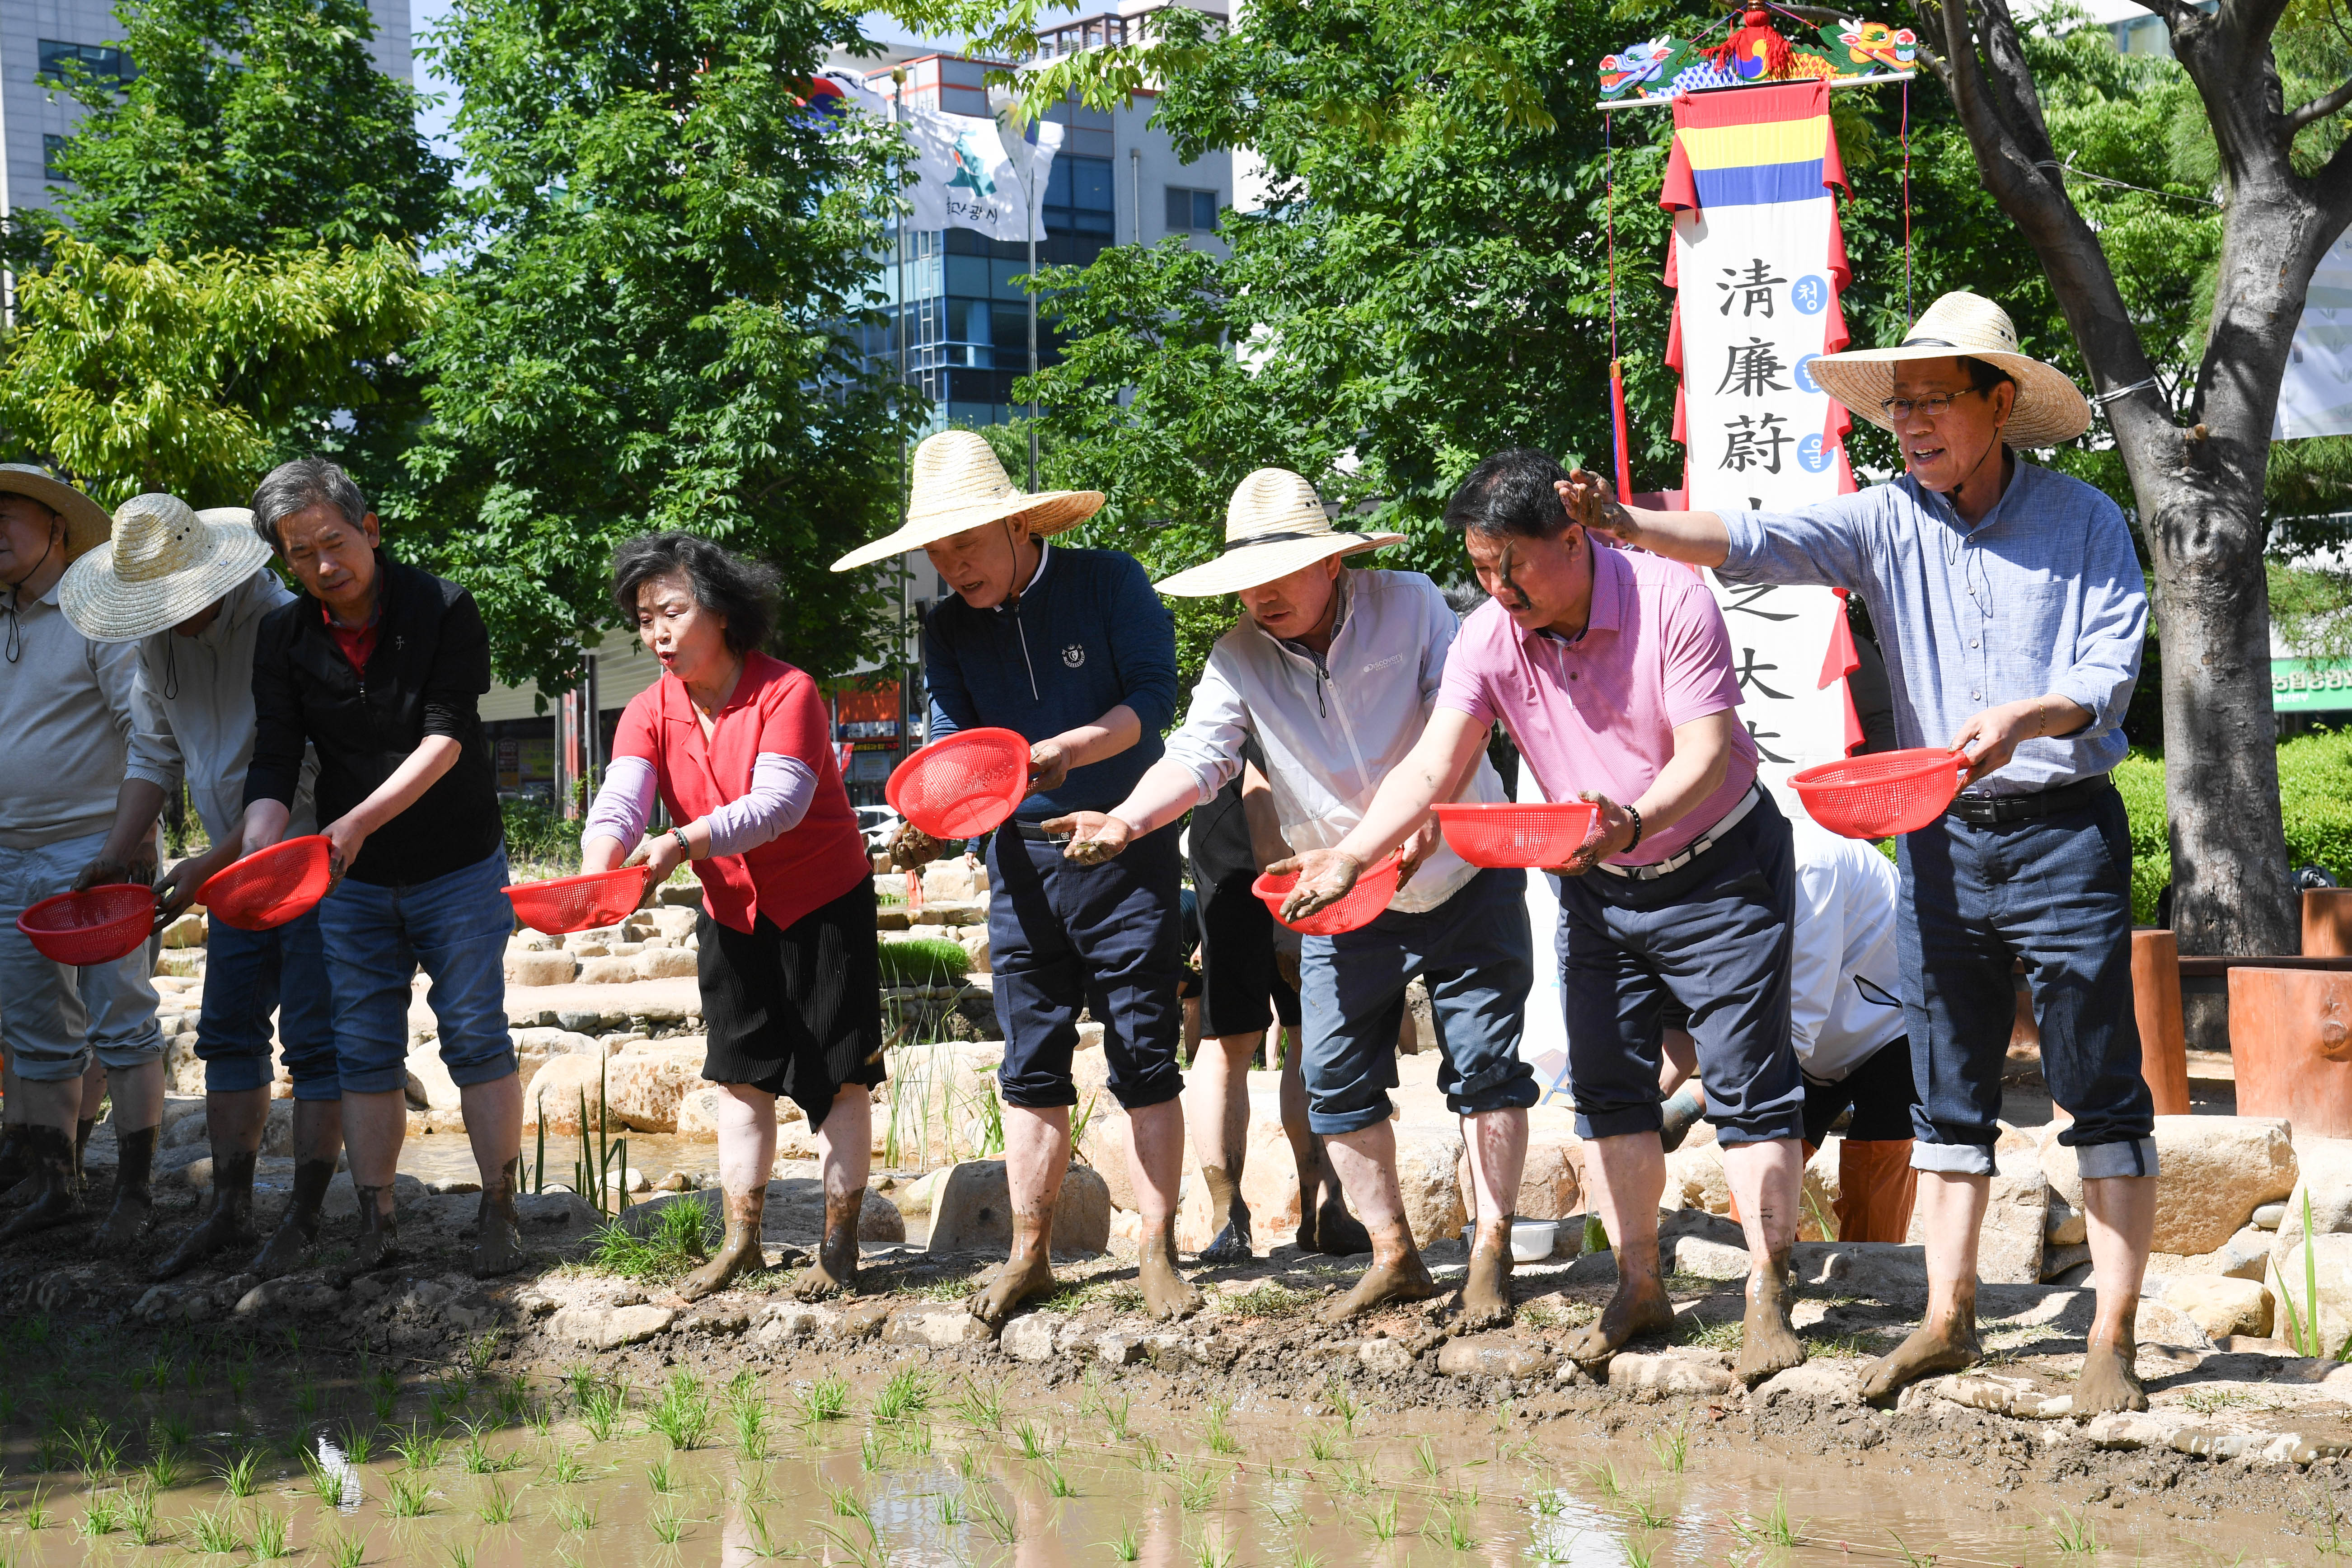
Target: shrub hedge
2315, 796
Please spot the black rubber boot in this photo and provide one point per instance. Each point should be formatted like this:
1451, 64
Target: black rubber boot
228, 1223
55, 1201
135, 1196
377, 1245
297, 1227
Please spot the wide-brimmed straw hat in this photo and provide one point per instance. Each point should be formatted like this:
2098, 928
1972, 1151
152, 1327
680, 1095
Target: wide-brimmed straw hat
165, 562
2050, 408
957, 484
86, 525
1274, 526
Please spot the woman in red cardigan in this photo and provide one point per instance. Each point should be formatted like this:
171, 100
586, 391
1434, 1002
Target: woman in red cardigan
739, 748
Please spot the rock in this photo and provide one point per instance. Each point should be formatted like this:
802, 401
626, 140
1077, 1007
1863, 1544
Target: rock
556, 968
1881, 1270
2212, 1171
698, 1112
2270, 1217
2331, 1260
1428, 1158
938, 1327
289, 1293
971, 1210
1115, 1348
2323, 1177
341, 1201
2017, 1217
2065, 1226
787, 1321
2245, 1255
2221, 1305
1494, 1355
1694, 1179
426, 1073
607, 970
1819, 1383
609, 1328
667, 964
1029, 1337
1671, 1376
186, 931
1709, 1259
562, 1091
961, 879
645, 1083
1385, 1357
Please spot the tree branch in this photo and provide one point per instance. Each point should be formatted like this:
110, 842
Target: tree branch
2318, 109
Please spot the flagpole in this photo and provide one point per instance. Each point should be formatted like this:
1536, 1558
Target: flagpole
1029, 199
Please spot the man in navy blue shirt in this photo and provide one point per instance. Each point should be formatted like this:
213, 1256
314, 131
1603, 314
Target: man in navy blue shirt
1071, 650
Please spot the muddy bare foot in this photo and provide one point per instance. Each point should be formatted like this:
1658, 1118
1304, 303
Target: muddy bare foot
736, 1256
124, 1223
2109, 1381
1932, 1350
1337, 1233
1022, 1277
50, 1210
1396, 1274
835, 1269
1639, 1306
377, 1245
1768, 1340
297, 1227
498, 1229
223, 1228
1486, 1289
54, 1200
1167, 1295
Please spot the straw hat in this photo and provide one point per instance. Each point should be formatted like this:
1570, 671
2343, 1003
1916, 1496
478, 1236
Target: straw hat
164, 564
86, 525
2050, 408
958, 484
1274, 525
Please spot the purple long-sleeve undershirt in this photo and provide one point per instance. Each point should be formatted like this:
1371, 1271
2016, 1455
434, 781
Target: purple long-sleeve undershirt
781, 788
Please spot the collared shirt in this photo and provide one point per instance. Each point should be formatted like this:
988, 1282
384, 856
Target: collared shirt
199, 692
1598, 711
74, 729
1845, 981
356, 644
1332, 726
2042, 594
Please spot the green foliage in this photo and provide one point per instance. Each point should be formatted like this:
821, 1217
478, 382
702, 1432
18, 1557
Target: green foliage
540, 837
922, 961
679, 1238
649, 327
2308, 606
257, 125
195, 375
2315, 797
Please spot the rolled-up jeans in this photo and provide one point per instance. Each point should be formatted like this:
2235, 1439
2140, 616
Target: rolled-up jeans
2054, 891
455, 927
249, 976
54, 1017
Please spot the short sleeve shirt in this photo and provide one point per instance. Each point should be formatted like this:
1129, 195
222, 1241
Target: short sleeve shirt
775, 707
1598, 711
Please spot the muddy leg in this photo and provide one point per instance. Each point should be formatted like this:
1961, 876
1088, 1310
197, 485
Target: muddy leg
2120, 1212
228, 1223
844, 1147
1486, 1289
1952, 1207
55, 1201
1167, 1294
2110, 1381
1216, 1113
1767, 1179
135, 1197
1768, 1340
1396, 1274
1627, 1174
377, 1245
1337, 1233
297, 1227
497, 1228
835, 1269
82, 1129
740, 1253
1155, 1161
1029, 1271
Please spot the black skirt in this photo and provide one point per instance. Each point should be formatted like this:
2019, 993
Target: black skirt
796, 1011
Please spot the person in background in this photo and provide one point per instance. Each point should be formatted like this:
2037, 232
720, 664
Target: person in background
1071, 649
737, 746
1333, 673
2016, 611
1612, 671
1249, 979
379, 667
82, 780
189, 590
1845, 1018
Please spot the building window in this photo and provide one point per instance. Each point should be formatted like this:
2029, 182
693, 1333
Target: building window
50, 147
1192, 211
97, 61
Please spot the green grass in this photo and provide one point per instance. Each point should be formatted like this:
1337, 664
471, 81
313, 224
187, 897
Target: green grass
682, 1413
908, 1393
826, 1399
679, 1240
408, 1496
215, 1533
922, 961
2315, 797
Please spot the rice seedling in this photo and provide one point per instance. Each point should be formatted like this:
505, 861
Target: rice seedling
990, 1513
419, 1449
575, 1517
1449, 1526
826, 1399
322, 1481
169, 1432
980, 1407
967, 1465
215, 1533
1198, 1490
1639, 1553
1031, 1441
1381, 1520
1147, 1456
1323, 1444
407, 1496
1343, 1403
2073, 1536
476, 1455
270, 1531
103, 1516
1125, 1547
682, 1413
1115, 1419
869, 1451
1215, 1434
1426, 1460
844, 1501
1301, 1557
1911, 1558
600, 1412
237, 1476
1211, 1552
96, 1448
582, 1378
1672, 1449
482, 1350
139, 1518
1645, 1513
1775, 1528
240, 1377
497, 1505
1550, 1504
460, 1554
907, 1395
750, 1422
565, 1467
661, 1478
36, 1511
1605, 1479
951, 1510
343, 1551
358, 1443
306, 1399
538, 1417
1056, 1482
763, 1543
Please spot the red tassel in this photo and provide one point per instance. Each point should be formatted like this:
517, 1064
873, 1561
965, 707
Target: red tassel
1617, 414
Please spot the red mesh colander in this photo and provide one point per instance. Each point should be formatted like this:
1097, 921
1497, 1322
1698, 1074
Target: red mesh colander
963, 785
272, 886
1362, 905
1879, 796
1542, 833
580, 903
96, 926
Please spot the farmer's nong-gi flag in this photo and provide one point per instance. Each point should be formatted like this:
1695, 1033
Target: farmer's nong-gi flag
1758, 261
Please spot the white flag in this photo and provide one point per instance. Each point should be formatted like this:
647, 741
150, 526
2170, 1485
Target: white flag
970, 180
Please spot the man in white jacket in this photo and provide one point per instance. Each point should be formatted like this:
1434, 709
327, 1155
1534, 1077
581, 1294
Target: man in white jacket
1333, 673
189, 589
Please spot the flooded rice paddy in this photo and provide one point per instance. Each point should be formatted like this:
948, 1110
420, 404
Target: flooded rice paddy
203, 1449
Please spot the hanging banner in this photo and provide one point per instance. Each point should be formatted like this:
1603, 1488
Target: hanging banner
2315, 397
969, 180
1758, 261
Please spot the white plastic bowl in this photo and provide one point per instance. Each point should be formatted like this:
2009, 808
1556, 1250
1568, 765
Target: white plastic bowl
1532, 1240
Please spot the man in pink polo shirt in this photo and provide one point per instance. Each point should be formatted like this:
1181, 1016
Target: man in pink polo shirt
1612, 671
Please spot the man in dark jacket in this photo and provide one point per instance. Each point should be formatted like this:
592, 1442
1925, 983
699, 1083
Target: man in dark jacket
380, 667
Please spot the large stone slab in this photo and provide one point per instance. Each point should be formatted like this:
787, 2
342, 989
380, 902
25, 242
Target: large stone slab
2323, 1177
2016, 1222
2221, 1305
971, 1210
558, 1092
646, 1081
2212, 1171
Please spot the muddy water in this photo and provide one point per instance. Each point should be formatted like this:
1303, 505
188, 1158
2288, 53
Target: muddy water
935, 1469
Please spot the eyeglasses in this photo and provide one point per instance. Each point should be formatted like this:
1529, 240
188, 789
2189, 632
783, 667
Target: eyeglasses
1935, 406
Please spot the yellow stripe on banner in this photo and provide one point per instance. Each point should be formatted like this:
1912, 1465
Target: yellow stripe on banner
1774, 141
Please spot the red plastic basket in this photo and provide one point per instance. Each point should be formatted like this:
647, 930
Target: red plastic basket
580, 903
1362, 905
963, 785
1879, 796
272, 886
97, 925
1543, 834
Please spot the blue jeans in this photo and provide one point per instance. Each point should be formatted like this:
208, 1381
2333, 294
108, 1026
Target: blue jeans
456, 927
2055, 892
249, 976
1475, 953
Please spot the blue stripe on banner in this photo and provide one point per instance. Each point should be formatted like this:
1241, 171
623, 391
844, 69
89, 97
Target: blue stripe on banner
1759, 185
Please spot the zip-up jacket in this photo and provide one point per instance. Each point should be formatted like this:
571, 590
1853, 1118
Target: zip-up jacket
199, 697
426, 677
1331, 726
1086, 634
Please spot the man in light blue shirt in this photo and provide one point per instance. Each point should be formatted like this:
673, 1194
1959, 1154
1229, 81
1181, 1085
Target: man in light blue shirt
2016, 608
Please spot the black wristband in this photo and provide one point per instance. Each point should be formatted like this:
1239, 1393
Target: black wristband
1637, 831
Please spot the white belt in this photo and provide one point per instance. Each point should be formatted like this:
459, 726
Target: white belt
1698, 846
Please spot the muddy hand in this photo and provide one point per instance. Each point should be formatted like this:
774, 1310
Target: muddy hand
1325, 876
1592, 502
1613, 831
913, 847
1095, 837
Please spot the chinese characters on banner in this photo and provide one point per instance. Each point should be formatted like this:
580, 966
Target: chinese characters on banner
1758, 261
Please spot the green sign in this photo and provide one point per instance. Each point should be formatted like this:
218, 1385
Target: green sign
2310, 685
